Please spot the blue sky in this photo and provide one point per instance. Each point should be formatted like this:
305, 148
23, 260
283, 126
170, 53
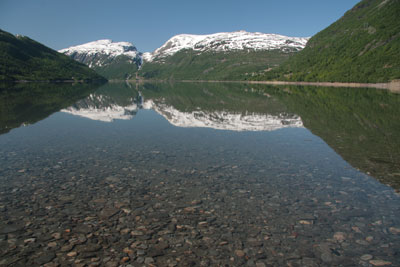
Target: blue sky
149, 23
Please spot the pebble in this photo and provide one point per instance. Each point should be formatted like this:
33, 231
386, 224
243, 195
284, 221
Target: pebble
128, 251
30, 240
380, 263
56, 236
67, 248
240, 253
137, 233
202, 224
339, 236
125, 259
366, 257
52, 244
72, 254
189, 209
369, 238
395, 231
125, 231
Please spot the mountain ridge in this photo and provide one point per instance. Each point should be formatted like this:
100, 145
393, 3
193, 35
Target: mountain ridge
236, 51
227, 42
114, 60
221, 56
103, 46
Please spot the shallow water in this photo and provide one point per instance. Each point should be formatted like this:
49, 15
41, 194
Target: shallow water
127, 176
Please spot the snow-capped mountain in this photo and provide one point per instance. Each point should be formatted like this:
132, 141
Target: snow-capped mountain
114, 60
242, 53
105, 114
224, 120
99, 108
227, 41
104, 108
98, 52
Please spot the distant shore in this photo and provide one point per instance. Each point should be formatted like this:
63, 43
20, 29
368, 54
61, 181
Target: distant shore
53, 81
393, 86
334, 84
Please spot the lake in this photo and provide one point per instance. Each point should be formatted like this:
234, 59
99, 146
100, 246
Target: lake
198, 174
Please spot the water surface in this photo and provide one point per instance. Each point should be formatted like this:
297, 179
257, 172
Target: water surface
200, 174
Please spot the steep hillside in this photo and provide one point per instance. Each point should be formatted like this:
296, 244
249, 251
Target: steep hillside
193, 65
362, 46
114, 60
219, 56
22, 58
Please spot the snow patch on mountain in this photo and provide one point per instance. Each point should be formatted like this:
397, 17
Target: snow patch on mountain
97, 108
227, 41
147, 56
103, 108
107, 114
105, 47
102, 53
222, 120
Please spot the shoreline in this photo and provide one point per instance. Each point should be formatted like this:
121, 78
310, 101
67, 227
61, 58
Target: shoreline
393, 86
53, 81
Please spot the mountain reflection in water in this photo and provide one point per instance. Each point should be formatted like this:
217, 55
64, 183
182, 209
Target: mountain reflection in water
102, 106
361, 125
27, 103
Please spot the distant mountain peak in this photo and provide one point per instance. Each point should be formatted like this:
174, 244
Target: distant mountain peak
104, 46
118, 60
227, 41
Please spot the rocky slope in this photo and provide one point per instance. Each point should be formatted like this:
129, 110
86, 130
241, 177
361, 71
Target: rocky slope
114, 60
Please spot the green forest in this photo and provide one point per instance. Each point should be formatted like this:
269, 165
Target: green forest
233, 65
362, 46
22, 58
